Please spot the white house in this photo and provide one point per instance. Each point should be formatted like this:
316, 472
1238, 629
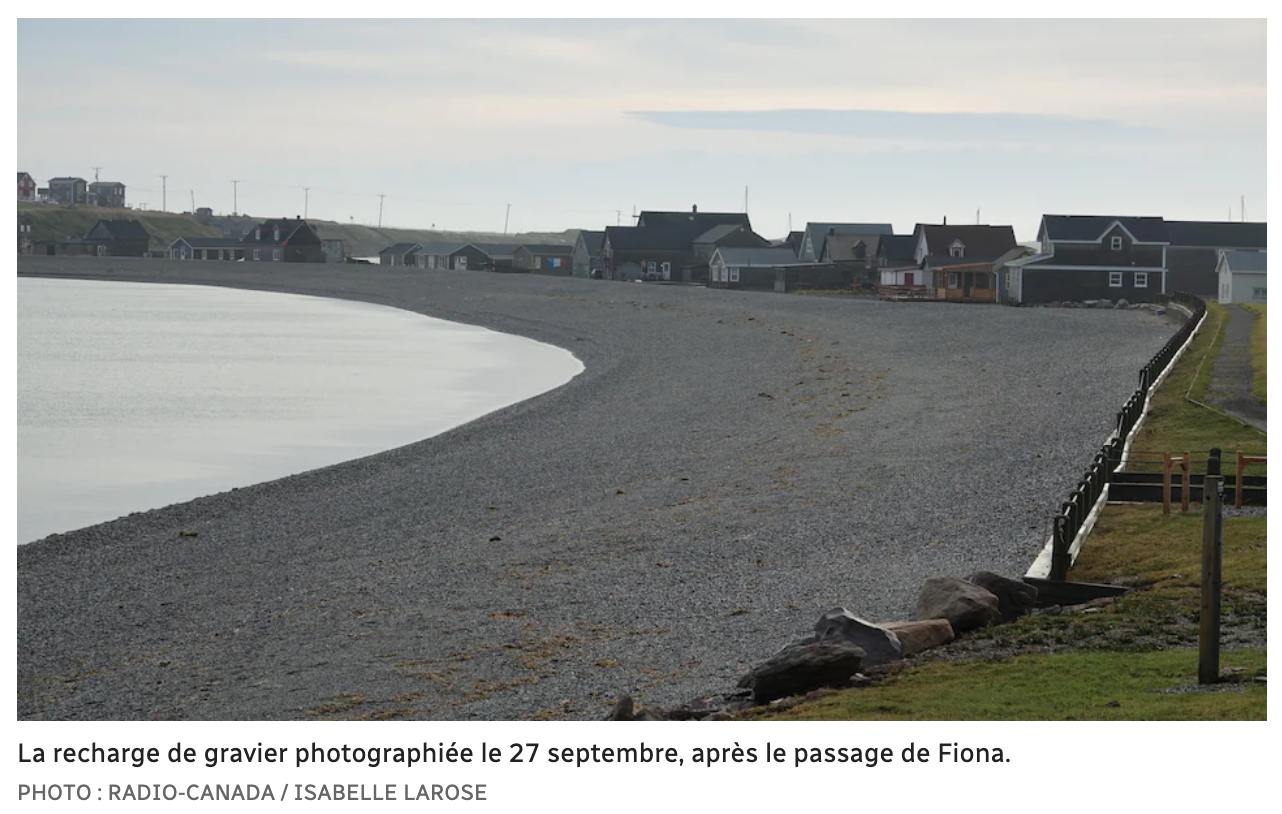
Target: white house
1242, 276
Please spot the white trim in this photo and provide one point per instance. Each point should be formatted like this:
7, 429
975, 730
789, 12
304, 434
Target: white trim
1137, 283
1149, 269
1116, 275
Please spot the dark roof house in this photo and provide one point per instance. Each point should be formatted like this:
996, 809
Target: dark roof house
969, 241
812, 240
284, 240
119, 238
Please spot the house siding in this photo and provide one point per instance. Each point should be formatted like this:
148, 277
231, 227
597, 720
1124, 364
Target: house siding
1040, 286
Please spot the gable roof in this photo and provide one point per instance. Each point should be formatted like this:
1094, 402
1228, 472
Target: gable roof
592, 240
401, 248
1218, 234
434, 248
1092, 228
496, 249
641, 238
816, 232
689, 225
22, 175
717, 233
209, 242
756, 258
1245, 261
842, 247
64, 179
124, 229
288, 228
898, 248
979, 240
546, 248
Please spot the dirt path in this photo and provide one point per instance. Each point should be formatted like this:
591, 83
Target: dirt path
1231, 376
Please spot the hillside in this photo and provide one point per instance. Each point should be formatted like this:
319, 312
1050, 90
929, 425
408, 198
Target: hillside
60, 222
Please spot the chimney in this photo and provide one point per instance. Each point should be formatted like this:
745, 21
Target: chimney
945, 220
832, 230
695, 209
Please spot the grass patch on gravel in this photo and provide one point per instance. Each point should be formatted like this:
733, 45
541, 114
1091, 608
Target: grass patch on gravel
1260, 352
1176, 425
1071, 686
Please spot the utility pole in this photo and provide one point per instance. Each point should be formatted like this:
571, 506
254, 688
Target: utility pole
381, 196
164, 201
193, 201
95, 173
305, 193
1244, 209
977, 217
505, 214
745, 200
634, 214
618, 217
235, 206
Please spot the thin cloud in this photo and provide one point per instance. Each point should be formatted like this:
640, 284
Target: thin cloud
893, 125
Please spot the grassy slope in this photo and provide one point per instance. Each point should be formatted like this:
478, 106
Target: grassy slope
1176, 425
59, 222
1260, 352
1138, 651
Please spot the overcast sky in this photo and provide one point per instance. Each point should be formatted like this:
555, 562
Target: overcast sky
575, 123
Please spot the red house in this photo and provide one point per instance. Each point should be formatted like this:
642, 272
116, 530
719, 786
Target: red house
26, 188
284, 241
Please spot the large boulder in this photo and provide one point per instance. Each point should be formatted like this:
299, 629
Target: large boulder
878, 643
964, 604
1014, 597
923, 635
800, 668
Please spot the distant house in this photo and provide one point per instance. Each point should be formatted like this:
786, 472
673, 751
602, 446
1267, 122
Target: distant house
748, 267
451, 257
335, 249
498, 256
897, 262
26, 188
206, 248
400, 254
68, 191
972, 242
282, 240
204, 214
25, 243
723, 236
107, 193
810, 249
1192, 258
657, 251
1091, 257
1242, 277
586, 257
856, 252
543, 258
119, 238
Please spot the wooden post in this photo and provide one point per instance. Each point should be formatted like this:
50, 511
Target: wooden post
1242, 462
1208, 656
1188, 484
1166, 483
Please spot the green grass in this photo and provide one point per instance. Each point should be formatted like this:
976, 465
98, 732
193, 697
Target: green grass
61, 222
1071, 686
1176, 425
1260, 353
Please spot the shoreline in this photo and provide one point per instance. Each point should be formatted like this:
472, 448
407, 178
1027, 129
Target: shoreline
728, 466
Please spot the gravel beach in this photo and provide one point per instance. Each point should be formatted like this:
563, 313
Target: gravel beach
729, 466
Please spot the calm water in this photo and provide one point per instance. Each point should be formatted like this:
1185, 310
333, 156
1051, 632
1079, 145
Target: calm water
133, 396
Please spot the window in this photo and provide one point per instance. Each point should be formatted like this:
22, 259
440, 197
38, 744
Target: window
861, 251
1117, 243
256, 257
275, 235
734, 274
1115, 279
650, 266
1257, 293
1141, 279
957, 249
275, 254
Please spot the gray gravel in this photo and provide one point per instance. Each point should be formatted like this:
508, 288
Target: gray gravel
729, 466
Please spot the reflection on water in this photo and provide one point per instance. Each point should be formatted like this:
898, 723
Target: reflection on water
133, 396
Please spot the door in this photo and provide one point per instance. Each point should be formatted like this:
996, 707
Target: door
910, 278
